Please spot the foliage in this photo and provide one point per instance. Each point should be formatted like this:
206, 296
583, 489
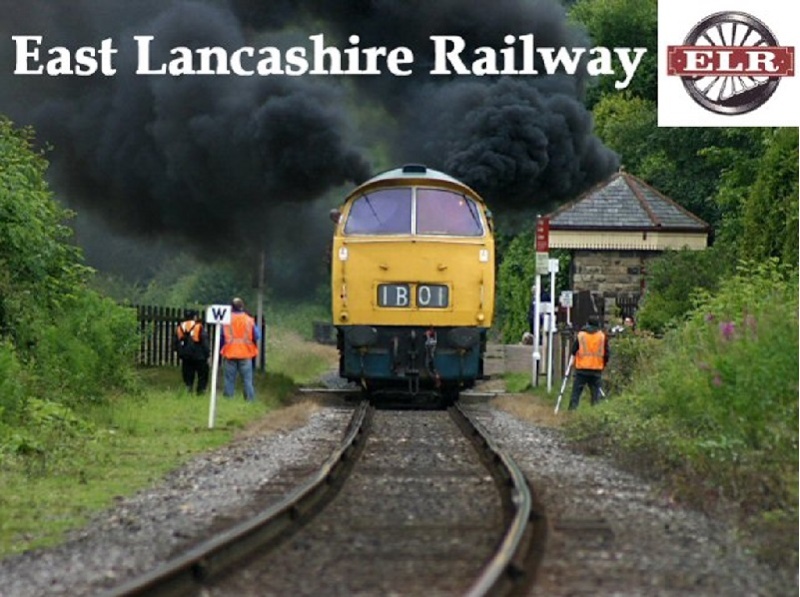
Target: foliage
671, 281
683, 163
737, 175
678, 164
188, 283
183, 280
12, 392
59, 341
40, 267
628, 125
631, 352
758, 196
770, 214
515, 277
623, 23
87, 351
718, 414
66, 463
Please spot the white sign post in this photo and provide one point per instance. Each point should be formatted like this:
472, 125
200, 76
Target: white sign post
566, 301
536, 355
553, 267
218, 315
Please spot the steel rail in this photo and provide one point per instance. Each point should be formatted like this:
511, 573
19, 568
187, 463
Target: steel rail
188, 571
512, 568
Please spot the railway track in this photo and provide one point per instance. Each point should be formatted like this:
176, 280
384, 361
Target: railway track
405, 504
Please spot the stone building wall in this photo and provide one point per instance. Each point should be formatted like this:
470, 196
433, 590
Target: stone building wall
610, 273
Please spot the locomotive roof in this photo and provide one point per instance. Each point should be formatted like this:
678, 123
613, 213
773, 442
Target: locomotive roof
414, 173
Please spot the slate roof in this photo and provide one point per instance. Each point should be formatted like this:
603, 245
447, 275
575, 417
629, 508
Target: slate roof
625, 202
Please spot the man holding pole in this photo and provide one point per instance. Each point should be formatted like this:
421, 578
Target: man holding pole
590, 351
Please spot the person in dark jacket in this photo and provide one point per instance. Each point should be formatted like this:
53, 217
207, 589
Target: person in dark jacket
193, 351
590, 350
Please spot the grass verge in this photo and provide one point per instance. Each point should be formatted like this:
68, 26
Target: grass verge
129, 442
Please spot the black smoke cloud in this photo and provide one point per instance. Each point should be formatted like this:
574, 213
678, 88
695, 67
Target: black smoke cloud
517, 144
217, 162
523, 142
201, 159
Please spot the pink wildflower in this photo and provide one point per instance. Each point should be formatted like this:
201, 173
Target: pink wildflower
727, 329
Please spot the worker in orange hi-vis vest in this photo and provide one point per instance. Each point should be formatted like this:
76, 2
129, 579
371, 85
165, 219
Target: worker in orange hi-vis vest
240, 339
193, 351
590, 350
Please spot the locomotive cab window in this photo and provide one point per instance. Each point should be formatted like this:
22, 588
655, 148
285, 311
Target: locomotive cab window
442, 212
436, 212
386, 211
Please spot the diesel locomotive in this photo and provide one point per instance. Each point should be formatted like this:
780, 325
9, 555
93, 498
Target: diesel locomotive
413, 283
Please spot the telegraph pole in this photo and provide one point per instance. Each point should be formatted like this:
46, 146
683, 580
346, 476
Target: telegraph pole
260, 311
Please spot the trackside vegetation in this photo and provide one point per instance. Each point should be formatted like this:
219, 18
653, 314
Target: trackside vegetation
79, 424
61, 344
711, 410
99, 452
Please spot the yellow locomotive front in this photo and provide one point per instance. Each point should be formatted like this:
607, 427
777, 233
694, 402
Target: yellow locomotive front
413, 282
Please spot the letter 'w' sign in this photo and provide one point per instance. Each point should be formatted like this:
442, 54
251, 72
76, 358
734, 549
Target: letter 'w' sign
219, 314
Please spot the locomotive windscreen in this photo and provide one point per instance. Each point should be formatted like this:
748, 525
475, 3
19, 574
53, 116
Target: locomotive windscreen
387, 211
438, 212
447, 213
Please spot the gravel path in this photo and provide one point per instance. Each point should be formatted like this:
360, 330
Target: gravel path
610, 533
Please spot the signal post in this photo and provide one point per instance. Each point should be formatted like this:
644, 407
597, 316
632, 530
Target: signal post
542, 268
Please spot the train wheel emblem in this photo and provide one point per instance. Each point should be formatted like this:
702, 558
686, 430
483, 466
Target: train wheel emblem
730, 63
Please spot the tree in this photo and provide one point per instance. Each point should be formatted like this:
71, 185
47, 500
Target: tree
628, 125
60, 338
683, 163
770, 211
36, 259
623, 23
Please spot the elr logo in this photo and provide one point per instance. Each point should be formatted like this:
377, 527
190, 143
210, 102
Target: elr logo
731, 64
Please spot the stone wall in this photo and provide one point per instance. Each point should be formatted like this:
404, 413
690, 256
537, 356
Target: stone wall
610, 273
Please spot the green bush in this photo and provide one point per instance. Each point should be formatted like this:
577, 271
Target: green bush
88, 351
630, 353
672, 281
12, 393
61, 344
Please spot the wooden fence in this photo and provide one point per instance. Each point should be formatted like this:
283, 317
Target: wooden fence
157, 327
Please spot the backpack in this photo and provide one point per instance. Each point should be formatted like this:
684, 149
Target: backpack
187, 348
